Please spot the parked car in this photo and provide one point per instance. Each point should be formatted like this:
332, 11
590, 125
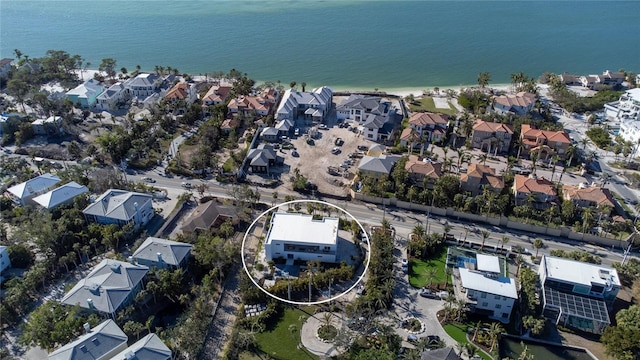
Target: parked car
294, 153
323, 127
405, 266
148, 179
186, 185
336, 151
296, 132
288, 146
339, 142
362, 148
428, 293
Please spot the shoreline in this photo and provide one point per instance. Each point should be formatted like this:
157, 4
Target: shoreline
87, 74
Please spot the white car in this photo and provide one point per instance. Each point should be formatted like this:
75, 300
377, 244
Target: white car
323, 127
405, 266
148, 179
186, 185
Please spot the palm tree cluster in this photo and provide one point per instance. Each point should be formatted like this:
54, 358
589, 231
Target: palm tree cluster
422, 245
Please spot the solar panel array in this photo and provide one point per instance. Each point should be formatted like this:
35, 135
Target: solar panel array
579, 306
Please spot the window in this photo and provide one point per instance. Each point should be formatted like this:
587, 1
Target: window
370, 136
483, 295
505, 315
497, 297
498, 306
485, 304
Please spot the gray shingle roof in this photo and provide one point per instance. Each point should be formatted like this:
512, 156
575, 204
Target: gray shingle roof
149, 347
108, 285
446, 353
98, 342
117, 204
60, 195
379, 164
205, 215
33, 186
172, 252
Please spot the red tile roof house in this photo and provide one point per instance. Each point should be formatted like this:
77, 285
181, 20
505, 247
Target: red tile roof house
214, 96
430, 125
420, 170
544, 142
182, 92
543, 190
492, 137
261, 104
589, 197
519, 104
478, 176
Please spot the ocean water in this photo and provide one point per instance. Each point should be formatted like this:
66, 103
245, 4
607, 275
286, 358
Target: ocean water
357, 44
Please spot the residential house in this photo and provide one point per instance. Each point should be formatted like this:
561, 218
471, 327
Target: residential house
626, 112
228, 125
295, 236
208, 216
60, 196
143, 85
5, 67
422, 172
9, 122
545, 143
424, 126
378, 167
595, 197
285, 127
5, 262
102, 342
570, 80
377, 128
163, 253
478, 176
108, 100
149, 347
539, 190
590, 81
485, 289
446, 353
491, 137
578, 295
270, 134
613, 79
376, 150
370, 113
86, 94
120, 207
50, 126
519, 104
311, 106
216, 95
260, 104
109, 287
23, 193
182, 91
262, 158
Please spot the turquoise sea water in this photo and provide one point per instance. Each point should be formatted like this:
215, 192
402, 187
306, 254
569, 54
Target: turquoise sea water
360, 44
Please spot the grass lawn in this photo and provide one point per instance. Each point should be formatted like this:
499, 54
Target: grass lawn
418, 270
427, 104
280, 342
459, 333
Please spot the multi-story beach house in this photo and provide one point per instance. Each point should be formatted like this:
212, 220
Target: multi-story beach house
163, 253
595, 197
120, 207
494, 138
108, 100
149, 347
430, 127
478, 176
294, 236
545, 143
86, 94
24, 193
519, 104
50, 126
423, 172
626, 113
259, 104
102, 342
217, 94
537, 190
369, 113
608, 78
576, 294
143, 85
309, 106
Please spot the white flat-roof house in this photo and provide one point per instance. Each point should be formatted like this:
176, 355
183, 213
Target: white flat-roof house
300, 237
577, 294
100, 343
487, 291
24, 193
61, 195
314, 105
109, 287
120, 207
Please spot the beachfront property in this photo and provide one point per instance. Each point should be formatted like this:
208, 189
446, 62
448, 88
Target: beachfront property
85, 94
50, 126
478, 177
102, 342
259, 104
480, 283
626, 112
539, 190
424, 128
209, 216
294, 236
519, 104
576, 294
110, 286
216, 95
149, 347
310, 106
570, 79
491, 137
120, 207
5, 67
109, 99
61, 195
608, 78
182, 91
369, 113
545, 143
423, 172
595, 197
163, 253
378, 167
143, 85
24, 193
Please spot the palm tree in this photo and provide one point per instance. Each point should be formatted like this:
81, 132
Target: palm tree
519, 145
495, 333
431, 274
503, 241
446, 230
483, 79
483, 158
519, 262
584, 142
462, 157
538, 244
485, 235
554, 160
534, 160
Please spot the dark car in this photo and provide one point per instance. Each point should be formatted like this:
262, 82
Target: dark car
427, 293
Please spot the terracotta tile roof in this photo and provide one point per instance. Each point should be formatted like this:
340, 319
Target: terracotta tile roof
528, 131
250, 102
416, 166
427, 118
528, 185
217, 94
600, 196
486, 173
523, 99
486, 126
409, 135
179, 91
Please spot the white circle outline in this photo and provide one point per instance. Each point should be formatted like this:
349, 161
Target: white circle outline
364, 272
